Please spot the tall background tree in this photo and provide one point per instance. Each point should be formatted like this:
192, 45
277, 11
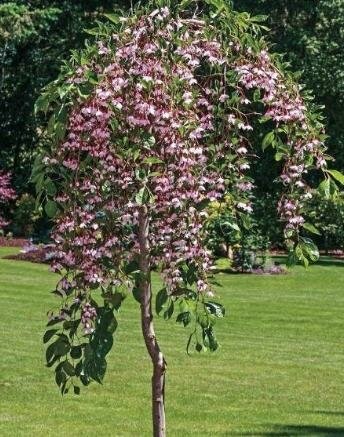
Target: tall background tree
310, 33
35, 37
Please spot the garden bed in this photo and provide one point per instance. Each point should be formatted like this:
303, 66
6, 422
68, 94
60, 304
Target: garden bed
36, 254
13, 242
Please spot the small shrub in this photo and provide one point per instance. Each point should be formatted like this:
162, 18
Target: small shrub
25, 216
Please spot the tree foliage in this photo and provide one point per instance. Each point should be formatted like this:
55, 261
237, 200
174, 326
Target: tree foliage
160, 109
310, 33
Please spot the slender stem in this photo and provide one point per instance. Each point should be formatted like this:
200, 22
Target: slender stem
158, 360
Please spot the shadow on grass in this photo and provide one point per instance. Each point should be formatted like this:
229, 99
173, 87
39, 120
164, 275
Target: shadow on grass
299, 430
278, 260
329, 262
330, 413
325, 261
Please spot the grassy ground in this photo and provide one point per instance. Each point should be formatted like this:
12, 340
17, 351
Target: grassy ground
279, 371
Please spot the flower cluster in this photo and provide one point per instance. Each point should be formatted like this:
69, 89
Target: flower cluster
302, 149
88, 316
6, 194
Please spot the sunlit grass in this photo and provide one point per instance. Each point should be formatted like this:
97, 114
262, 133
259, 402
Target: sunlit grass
279, 370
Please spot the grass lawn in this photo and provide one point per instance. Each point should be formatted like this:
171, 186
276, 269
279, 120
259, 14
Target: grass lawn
279, 371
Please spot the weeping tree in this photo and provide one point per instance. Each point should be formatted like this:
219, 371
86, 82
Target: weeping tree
148, 124
6, 194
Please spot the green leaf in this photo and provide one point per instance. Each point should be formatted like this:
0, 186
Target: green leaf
209, 339
311, 228
149, 142
191, 274
68, 368
143, 196
52, 361
50, 352
51, 125
198, 347
215, 308
101, 343
76, 390
51, 208
233, 226
85, 380
185, 4
60, 377
49, 334
42, 103
202, 205
114, 18
324, 188
60, 131
292, 258
169, 312
279, 156
309, 249
101, 340
116, 300
64, 390
94, 368
39, 183
268, 140
131, 267
50, 187
246, 221
54, 321
137, 294
256, 96
189, 342
61, 348
219, 4
160, 300
337, 175
94, 31
78, 368
259, 18
85, 89
184, 318
152, 160
76, 352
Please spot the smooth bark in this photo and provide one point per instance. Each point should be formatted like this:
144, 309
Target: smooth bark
159, 363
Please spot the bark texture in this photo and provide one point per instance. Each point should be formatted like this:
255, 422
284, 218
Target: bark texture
158, 360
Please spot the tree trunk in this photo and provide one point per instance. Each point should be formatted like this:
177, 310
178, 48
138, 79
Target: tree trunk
159, 363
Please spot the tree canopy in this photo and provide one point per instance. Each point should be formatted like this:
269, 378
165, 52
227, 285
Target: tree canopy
162, 107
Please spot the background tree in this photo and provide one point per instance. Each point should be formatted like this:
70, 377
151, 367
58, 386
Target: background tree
35, 37
327, 214
309, 32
